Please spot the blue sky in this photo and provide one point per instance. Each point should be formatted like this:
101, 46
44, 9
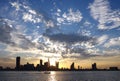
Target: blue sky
76, 30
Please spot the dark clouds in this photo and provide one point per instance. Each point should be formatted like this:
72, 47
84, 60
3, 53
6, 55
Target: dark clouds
69, 38
79, 53
8, 37
5, 31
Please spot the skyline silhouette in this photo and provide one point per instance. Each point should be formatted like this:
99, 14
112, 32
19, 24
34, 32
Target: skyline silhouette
46, 66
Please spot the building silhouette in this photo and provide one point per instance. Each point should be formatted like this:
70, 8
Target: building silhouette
57, 65
113, 68
48, 62
1, 68
29, 67
41, 62
94, 67
78, 67
47, 67
18, 63
72, 67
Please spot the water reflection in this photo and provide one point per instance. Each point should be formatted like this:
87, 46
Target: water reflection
61, 76
52, 76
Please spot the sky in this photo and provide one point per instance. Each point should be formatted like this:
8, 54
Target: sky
80, 31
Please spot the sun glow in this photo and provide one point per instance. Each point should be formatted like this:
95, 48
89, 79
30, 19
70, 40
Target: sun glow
53, 61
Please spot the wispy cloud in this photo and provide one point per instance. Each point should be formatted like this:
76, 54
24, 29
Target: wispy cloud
113, 42
107, 18
11, 36
102, 39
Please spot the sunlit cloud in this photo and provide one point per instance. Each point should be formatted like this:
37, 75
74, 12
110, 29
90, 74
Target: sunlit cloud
107, 18
113, 42
102, 39
16, 5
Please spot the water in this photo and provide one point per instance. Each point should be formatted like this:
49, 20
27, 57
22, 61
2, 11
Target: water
61, 76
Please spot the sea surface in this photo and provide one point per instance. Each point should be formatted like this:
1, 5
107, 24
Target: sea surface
60, 76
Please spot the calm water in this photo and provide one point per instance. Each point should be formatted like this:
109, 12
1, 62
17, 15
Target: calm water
61, 76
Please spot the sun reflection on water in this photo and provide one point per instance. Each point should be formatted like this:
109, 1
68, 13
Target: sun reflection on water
52, 76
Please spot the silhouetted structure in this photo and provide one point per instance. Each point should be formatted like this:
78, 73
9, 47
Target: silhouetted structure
57, 65
78, 67
72, 66
94, 66
1, 68
113, 68
46, 67
17, 63
48, 63
29, 67
41, 62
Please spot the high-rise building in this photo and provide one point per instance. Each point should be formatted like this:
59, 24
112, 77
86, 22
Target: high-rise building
18, 63
29, 66
57, 65
41, 61
94, 67
72, 66
48, 62
78, 67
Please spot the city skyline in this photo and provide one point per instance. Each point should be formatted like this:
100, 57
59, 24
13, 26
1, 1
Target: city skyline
47, 66
83, 32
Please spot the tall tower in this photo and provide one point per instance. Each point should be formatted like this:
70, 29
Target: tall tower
41, 62
48, 62
18, 63
57, 65
72, 66
94, 66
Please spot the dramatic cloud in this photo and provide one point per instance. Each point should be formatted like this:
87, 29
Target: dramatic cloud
10, 35
5, 32
33, 30
107, 18
69, 38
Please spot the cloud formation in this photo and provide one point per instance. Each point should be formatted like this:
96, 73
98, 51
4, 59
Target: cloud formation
9, 35
102, 39
5, 31
30, 15
59, 31
69, 38
113, 42
107, 18
68, 17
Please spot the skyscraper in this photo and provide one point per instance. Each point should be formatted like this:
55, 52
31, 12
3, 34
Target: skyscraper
72, 66
41, 62
57, 65
17, 63
94, 66
48, 62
